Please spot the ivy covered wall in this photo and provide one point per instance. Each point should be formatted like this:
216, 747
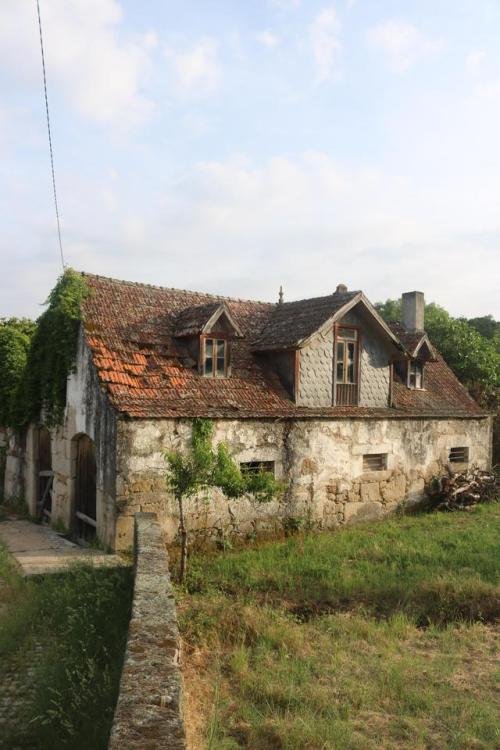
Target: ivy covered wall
37, 358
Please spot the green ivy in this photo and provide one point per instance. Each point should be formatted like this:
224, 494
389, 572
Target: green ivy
35, 362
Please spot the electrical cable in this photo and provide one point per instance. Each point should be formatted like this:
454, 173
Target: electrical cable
50, 135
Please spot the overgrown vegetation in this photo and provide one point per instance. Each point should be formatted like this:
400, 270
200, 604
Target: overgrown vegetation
474, 356
376, 636
204, 467
470, 347
37, 358
71, 628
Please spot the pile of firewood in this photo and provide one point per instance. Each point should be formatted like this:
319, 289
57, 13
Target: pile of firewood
462, 491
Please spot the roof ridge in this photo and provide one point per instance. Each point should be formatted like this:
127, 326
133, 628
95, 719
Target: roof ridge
215, 297
349, 293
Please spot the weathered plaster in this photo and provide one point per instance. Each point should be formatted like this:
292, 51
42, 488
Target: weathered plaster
321, 460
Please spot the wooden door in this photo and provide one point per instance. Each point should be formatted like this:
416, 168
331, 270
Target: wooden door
45, 476
85, 489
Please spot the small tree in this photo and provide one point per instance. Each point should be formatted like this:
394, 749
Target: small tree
203, 467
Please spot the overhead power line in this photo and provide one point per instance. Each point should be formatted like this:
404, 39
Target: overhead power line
50, 135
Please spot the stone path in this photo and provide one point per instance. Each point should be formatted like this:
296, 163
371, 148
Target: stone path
39, 550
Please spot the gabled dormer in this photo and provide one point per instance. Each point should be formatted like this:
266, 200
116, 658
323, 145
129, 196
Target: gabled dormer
331, 351
418, 349
208, 332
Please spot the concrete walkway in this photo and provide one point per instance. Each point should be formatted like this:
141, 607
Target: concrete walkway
38, 549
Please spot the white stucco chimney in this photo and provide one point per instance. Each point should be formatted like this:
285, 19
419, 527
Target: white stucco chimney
413, 311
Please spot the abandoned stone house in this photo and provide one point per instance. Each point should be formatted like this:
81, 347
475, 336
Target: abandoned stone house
355, 415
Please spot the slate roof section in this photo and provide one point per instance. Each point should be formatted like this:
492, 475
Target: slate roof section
409, 339
192, 320
290, 323
148, 373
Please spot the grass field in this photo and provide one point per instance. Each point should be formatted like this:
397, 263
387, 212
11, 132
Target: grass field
381, 636
63, 638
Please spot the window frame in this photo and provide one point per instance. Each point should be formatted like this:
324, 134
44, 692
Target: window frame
415, 362
345, 340
370, 461
258, 466
453, 453
215, 338
357, 340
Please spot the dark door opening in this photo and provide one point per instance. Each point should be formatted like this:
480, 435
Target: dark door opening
85, 490
45, 476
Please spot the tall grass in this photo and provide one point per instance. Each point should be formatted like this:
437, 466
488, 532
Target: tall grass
382, 636
72, 627
436, 568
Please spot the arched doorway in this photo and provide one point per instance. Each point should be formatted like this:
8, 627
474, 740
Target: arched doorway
44, 475
85, 489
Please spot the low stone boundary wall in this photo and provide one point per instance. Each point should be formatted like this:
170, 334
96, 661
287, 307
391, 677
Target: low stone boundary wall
148, 712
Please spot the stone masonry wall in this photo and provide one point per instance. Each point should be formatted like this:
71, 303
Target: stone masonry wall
321, 461
148, 712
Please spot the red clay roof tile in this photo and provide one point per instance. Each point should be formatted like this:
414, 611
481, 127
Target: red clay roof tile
131, 336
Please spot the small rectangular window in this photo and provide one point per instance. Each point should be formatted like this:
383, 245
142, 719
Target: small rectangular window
256, 467
346, 356
415, 374
215, 360
374, 461
459, 455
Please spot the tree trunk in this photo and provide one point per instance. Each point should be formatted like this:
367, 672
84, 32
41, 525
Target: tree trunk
184, 538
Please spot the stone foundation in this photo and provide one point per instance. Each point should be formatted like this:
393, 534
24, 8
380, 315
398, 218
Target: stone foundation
321, 461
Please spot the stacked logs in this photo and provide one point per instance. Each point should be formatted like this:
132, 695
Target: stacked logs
463, 490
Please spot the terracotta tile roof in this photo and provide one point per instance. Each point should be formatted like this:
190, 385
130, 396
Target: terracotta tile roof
290, 323
149, 373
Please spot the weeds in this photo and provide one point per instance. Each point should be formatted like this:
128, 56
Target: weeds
78, 621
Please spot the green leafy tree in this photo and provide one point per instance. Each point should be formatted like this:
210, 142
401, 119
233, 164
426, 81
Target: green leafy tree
474, 358
204, 467
15, 341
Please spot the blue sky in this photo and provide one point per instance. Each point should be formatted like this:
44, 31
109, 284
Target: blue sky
235, 146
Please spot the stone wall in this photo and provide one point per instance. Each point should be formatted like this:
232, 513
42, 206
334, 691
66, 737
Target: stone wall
148, 711
320, 459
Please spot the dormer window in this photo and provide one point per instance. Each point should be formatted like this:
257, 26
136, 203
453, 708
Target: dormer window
415, 374
346, 366
215, 357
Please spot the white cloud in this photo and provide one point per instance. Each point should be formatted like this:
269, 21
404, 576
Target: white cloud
100, 70
197, 70
402, 43
267, 38
489, 90
475, 60
324, 34
241, 228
